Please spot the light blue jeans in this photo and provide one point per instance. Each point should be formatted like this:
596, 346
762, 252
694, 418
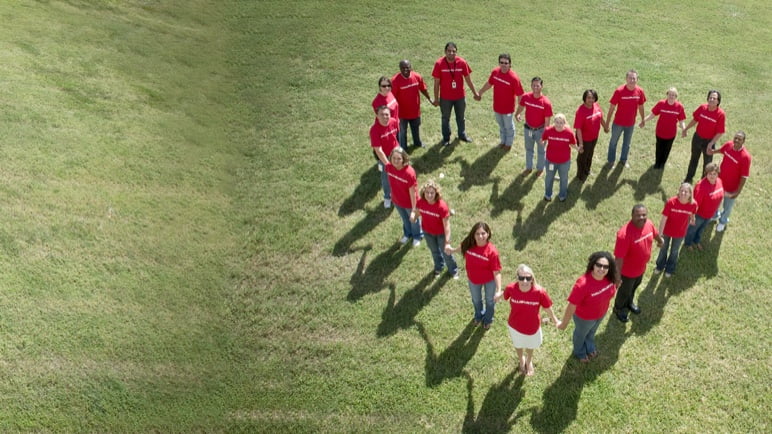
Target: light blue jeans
436, 245
384, 181
562, 170
533, 138
694, 233
506, 128
476, 292
667, 261
726, 210
584, 336
409, 229
616, 131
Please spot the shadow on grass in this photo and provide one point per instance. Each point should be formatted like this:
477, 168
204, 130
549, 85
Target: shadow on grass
373, 217
367, 188
479, 172
561, 399
510, 198
433, 158
605, 185
369, 279
497, 408
451, 362
650, 182
401, 315
542, 216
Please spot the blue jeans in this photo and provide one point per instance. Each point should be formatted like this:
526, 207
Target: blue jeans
694, 233
533, 137
726, 210
384, 181
562, 170
476, 292
506, 128
617, 131
459, 106
667, 261
414, 130
584, 336
436, 245
409, 229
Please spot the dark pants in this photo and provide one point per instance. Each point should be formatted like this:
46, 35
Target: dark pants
626, 292
414, 130
699, 146
459, 106
584, 160
662, 152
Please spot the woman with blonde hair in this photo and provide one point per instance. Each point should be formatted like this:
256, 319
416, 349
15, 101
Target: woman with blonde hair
671, 115
559, 140
677, 215
435, 222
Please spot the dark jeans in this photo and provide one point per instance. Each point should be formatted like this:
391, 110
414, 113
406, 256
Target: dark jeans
459, 106
626, 292
584, 160
662, 152
699, 146
414, 130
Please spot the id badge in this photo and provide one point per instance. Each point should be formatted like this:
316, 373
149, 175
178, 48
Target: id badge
551, 168
452, 84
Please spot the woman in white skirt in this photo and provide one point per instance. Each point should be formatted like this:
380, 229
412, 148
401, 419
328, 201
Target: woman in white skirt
526, 298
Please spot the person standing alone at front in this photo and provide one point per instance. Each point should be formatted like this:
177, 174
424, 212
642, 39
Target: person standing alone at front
626, 102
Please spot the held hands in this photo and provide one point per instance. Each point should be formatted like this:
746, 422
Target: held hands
605, 129
477, 97
436, 102
448, 249
560, 325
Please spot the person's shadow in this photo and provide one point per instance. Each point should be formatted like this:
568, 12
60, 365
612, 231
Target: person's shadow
560, 400
604, 185
500, 403
370, 278
479, 172
372, 218
432, 159
401, 314
368, 187
510, 198
451, 362
543, 215
649, 183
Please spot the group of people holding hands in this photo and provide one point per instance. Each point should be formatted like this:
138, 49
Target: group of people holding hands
426, 216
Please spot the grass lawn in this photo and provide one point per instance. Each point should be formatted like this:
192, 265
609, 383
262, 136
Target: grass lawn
194, 237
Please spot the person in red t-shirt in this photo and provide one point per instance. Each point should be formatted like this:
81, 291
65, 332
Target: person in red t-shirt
588, 303
525, 298
624, 103
383, 140
407, 87
404, 193
506, 91
483, 269
708, 194
677, 215
449, 73
710, 120
385, 97
735, 170
587, 123
631, 252
671, 115
435, 222
559, 140
538, 111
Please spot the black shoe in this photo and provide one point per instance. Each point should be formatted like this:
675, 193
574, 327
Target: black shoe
621, 316
465, 138
634, 308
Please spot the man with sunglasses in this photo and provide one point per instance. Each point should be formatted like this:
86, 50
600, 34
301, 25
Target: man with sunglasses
632, 252
449, 73
506, 90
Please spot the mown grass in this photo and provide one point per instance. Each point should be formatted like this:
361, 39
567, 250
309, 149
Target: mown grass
194, 239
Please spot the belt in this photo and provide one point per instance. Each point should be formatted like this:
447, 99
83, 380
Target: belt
528, 127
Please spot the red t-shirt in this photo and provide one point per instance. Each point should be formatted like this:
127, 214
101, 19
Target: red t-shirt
449, 73
627, 102
385, 137
400, 182
506, 88
481, 263
669, 115
591, 296
734, 166
537, 110
558, 144
588, 121
389, 101
708, 197
709, 123
524, 307
677, 217
432, 215
634, 246
408, 94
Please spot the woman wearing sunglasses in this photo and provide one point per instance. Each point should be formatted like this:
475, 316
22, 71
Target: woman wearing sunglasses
385, 97
588, 303
526, 297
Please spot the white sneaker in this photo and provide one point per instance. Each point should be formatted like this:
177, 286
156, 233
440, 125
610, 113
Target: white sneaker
387, 203
720, 227
657, 271
403, 240
668, 275
416, 243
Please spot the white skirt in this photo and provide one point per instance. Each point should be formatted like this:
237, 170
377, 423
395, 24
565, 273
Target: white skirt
520, 340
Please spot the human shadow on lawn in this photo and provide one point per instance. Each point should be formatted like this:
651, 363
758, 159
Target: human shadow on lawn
649, 183
368, 187
372, 218
432, 159
542, 216
479, 172
451, 362
603, 186
561, 399
500, 403
510, 198
370, 278
401, 314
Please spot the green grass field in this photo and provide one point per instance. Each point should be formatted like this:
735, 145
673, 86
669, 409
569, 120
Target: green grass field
194, 239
